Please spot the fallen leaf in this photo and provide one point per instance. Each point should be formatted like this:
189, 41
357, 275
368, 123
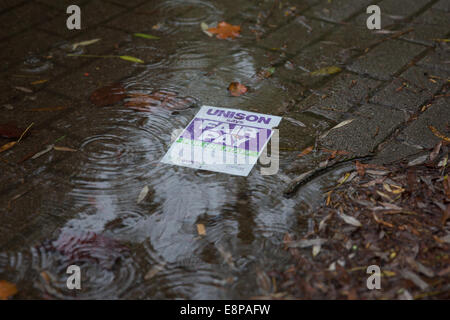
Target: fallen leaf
65, 149
162, 99
108, 95
201, 229
439, 134
41, 153
146, 36
154, 271
350, 220
407, 274
306, 151
326, 71
39, 82
343, 123
7, 289
143, 194
225, 30
23, 89
205, 28
132, 59
7, 146
417, 161
435, 152
10, 131
236, 89
84, 43
316, 250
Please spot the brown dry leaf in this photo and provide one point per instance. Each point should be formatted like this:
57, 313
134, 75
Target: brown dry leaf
7, 146
162, 99
360, 168
225, 30
201, 229
108, 95
379, 221
7, 289
237, 89
10, 131
435, 151
439, 134
65, 149
306, 151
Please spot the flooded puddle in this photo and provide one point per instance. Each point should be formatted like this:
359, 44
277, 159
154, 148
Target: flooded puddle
152, 249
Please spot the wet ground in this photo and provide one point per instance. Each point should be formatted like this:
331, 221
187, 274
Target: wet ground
79, 205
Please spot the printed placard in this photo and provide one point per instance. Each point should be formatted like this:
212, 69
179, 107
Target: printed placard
222, 140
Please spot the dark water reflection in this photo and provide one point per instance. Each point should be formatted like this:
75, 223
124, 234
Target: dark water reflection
152, 248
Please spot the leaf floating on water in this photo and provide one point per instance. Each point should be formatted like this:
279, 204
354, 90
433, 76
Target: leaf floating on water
225, 30
162, 99
143, 194
326, 71
237, 89
65, 149
7, 290
145, 36
39, 82
201, 229
108, 95
41, 153
306, 151
23, 89
154, 271
84, 43
350, 220
205, 28
7, 146
10, 131
132, 59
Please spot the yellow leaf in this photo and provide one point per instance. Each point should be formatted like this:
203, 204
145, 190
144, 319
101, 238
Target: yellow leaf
438, 134
201, 229
7, 146
132, 59
326, 71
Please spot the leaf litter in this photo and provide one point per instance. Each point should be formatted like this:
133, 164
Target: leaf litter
377, 218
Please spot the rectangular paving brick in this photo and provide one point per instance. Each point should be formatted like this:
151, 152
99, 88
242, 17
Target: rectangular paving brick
302, 30
437, 115
22, 17
438, 59
372, 125
432, 24
335, 98
410, 90
318, 56
386, 59
337, 10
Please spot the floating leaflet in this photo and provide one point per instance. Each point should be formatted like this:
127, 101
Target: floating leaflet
222, 140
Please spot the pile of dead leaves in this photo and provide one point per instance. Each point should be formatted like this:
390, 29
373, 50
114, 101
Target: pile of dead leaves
395, 217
